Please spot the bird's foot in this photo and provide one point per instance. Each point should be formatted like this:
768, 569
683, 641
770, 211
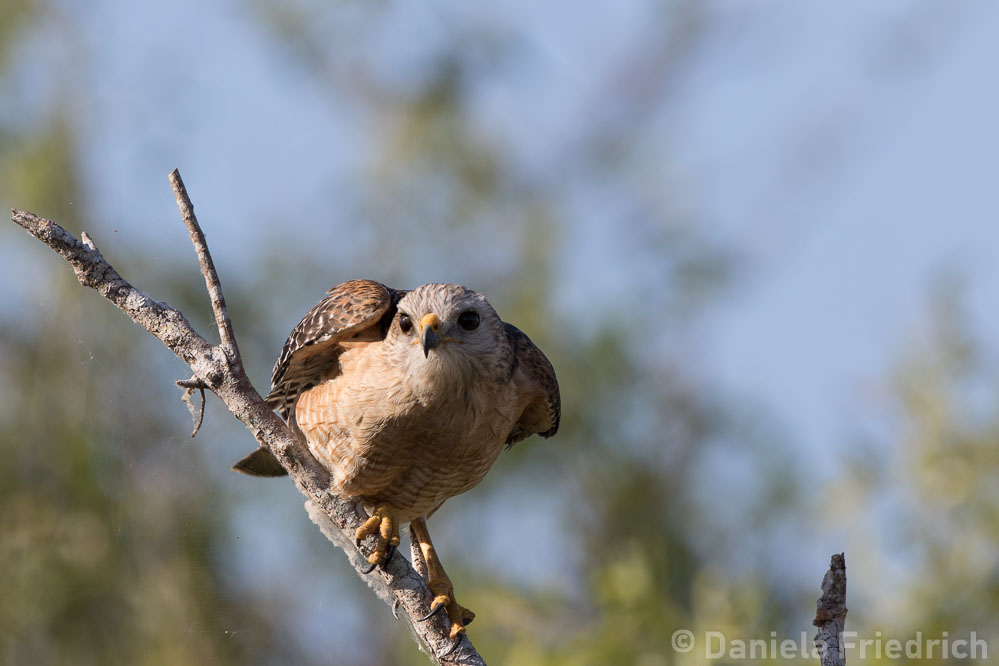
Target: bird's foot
443, 592
384, 524
439, 583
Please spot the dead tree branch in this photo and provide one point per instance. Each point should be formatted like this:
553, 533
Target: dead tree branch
220, 369
222, 321
830, 614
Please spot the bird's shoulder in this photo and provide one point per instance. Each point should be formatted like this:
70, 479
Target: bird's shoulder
533, 373
352, 312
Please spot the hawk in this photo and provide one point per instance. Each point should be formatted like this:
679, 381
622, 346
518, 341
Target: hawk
407, 398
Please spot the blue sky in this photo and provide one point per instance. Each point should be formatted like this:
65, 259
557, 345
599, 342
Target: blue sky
905, 195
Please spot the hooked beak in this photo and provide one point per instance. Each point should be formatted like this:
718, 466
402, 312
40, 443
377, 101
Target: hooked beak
430, 337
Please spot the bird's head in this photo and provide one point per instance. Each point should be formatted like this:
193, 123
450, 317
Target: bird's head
447, 331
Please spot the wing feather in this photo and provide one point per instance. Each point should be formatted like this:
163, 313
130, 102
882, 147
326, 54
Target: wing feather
352, 310
542, 415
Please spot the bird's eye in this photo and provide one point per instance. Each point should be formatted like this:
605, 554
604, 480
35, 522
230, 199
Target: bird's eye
469, 320
405, 323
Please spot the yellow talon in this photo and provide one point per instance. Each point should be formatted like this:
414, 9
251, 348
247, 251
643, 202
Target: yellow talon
383, 523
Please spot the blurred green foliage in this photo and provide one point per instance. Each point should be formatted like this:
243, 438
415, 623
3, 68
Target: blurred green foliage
936, 465
108, 542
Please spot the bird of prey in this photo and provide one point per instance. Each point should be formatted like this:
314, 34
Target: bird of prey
407, 398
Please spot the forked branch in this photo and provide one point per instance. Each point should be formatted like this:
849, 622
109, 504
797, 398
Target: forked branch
220, 369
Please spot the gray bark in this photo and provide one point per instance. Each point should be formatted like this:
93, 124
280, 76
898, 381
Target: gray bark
830, 614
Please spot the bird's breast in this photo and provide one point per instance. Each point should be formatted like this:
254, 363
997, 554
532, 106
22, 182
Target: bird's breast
383, 438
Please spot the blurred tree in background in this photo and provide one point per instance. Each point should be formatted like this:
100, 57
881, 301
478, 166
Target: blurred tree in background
110, 546
933, 460
665, 502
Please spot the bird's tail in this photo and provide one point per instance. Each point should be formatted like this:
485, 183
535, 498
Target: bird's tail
260, 463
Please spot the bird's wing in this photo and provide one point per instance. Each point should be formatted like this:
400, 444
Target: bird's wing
353, 310
358, 310
535, 373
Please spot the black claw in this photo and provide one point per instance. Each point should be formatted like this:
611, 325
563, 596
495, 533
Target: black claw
395, 609
430, 614
363, 557
389, 552
452, 648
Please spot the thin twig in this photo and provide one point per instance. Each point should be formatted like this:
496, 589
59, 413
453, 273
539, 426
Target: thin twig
190, 386
830, 614
222, 321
